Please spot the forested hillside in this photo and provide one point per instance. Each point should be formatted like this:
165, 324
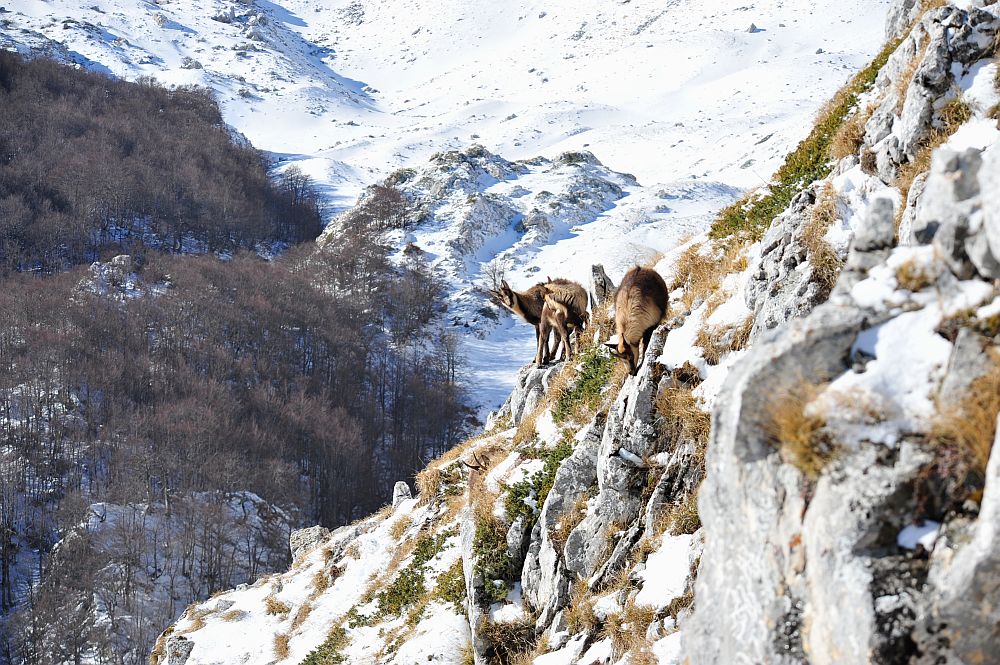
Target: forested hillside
167, 416
92, 165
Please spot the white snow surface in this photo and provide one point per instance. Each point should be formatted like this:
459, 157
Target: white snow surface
678, 93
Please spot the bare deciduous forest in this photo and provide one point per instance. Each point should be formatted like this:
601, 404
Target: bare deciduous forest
142, 400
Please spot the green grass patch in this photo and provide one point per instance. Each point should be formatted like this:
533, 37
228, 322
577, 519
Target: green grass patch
451, 586
585, 395
329, 652
809, 162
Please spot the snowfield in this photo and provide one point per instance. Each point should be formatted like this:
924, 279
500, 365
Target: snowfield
684, 96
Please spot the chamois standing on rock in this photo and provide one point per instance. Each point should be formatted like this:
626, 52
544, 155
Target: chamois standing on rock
559, 305
640, 306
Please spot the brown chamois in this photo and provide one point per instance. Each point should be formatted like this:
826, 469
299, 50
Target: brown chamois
640, 306
568, 298
564, 312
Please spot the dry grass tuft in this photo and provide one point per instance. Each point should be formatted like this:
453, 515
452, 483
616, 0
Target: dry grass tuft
684, 518
301, 615
274, 606
509, 640
851, 135
281, 645
627, 630
798, 434
700, 270
580, 615
969, 424
526, 432
568, 521
428, 483
681, 418
400, 526
353, 551
716, 341
233, 615
825, 263
913, 276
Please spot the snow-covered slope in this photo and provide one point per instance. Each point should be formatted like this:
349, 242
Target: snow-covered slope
698, 100
663, 90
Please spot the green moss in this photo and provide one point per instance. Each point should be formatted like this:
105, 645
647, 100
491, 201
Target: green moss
809, 162
451, 586
586, 393
329, 652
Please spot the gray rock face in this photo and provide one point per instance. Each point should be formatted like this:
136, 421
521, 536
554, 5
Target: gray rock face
178, 650
532, 382
901, 16
957, 212
304, 541
795, 571
962, 624
948, 42
783, 285
602, 289
545, 579
628, 435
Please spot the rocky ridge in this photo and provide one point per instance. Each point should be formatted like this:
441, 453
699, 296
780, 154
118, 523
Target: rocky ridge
833, 510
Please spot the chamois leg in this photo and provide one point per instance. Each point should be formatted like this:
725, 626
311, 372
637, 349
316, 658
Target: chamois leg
541, 343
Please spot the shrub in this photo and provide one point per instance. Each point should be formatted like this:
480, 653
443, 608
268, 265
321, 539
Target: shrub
329, 652
405, 590
489, 545
809, 162
451, 586
540, 483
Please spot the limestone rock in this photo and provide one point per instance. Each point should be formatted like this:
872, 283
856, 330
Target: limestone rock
303, 541
400, 493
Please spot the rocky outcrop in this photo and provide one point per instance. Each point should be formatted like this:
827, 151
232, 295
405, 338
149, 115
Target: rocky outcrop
783, 285
798, 569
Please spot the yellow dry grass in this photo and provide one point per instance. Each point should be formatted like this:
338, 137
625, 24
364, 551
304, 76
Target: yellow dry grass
274, 606
627, 630
580, 615
281, 646
914, 276
822, 257
400, 526
796, 432
851, 135
969, 423
233, 615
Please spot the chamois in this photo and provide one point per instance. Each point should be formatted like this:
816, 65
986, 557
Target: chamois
640, 306
564, 311
567, 311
